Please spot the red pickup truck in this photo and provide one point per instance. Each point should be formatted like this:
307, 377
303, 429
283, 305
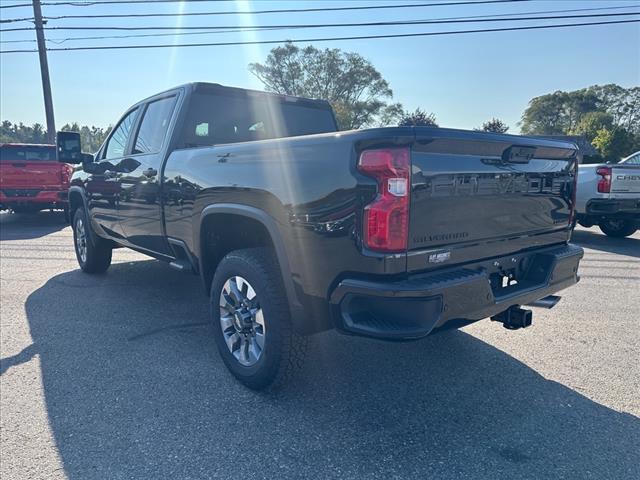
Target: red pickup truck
31, 179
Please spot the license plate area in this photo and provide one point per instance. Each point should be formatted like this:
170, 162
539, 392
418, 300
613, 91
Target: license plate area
506, 281
514, 274
17, 192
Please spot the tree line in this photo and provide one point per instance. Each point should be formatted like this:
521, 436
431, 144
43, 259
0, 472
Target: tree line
91, 137
607, 115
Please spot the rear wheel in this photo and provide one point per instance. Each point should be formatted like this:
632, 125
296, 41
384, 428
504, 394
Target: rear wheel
618, 228
93, 253
252, 324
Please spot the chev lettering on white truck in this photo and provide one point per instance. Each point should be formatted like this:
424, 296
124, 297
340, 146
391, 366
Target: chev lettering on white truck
608, 195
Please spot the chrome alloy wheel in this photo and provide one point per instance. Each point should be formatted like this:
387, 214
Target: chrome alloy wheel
81, 240
242, 321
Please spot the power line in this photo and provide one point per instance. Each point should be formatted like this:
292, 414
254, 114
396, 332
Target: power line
110, 2
16, 6
251, 29
260, 12
329, 39
240, 30
355, 24
59, 41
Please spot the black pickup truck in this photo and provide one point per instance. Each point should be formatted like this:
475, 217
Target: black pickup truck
296, 228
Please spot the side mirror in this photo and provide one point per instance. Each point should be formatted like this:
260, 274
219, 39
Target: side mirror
68, 148
86, 158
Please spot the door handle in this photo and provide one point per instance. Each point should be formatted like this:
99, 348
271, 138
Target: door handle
150, 172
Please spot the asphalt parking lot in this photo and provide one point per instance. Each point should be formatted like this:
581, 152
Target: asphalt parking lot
117, 376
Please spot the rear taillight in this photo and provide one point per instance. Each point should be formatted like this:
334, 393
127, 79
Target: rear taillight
386, 219
604, 184
66, 171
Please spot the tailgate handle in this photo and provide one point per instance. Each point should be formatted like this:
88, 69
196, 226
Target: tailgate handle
518, 154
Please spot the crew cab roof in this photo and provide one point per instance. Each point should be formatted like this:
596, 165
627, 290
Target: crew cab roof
199, 86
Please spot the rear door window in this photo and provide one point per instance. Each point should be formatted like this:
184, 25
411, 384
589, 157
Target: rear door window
154, 126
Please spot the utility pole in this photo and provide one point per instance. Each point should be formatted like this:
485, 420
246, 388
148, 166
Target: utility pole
44, 72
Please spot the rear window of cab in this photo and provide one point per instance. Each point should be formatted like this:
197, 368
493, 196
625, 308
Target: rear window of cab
18, 153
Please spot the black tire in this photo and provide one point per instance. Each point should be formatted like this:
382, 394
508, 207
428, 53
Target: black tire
618, 228
66, 214
93, 253
283, 350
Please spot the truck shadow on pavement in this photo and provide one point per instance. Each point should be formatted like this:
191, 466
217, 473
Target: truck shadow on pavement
15, 226
594, 239
135, 389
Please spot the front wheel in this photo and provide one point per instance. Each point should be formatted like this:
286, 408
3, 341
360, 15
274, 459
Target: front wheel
618, 228
93, 253
251, 319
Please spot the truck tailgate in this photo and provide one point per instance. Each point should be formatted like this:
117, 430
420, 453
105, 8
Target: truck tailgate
625, 180
41, 175
470, 190
29, 166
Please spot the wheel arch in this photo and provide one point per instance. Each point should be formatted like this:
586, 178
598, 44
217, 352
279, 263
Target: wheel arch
264, 230
76, 200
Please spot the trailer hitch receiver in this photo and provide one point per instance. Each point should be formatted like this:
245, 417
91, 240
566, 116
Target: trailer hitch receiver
514, 318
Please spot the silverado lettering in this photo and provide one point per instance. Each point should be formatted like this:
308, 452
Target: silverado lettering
443, 237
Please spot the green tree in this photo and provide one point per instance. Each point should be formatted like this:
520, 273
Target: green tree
591, 123
495, 125
6, 132
560, 113
623, 104
356, 90
418, 118
90, 137
613, 143
557, 113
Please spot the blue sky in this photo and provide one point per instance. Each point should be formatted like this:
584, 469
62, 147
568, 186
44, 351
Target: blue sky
463, 79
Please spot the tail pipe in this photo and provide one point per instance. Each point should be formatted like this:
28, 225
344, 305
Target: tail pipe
548, 302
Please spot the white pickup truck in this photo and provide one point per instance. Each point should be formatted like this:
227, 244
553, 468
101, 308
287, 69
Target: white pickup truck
608, 195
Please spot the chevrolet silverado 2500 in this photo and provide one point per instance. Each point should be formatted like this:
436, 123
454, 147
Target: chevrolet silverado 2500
296, 228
